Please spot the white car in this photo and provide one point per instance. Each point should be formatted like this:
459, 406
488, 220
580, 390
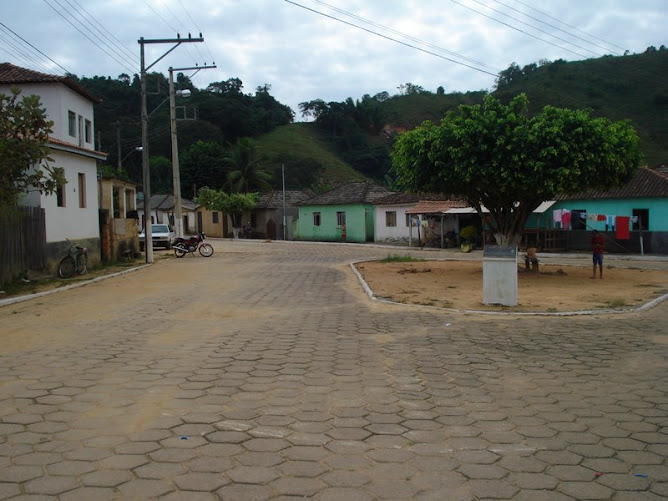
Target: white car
161, 235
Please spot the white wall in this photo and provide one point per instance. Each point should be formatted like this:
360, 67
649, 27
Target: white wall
58, 100
72, 221
400, 232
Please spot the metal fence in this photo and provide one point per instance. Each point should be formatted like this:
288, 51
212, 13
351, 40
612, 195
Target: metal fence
22, 241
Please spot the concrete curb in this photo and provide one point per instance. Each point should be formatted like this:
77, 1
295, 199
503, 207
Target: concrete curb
644, 307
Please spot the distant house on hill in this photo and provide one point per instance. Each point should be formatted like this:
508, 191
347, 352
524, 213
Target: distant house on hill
346, 213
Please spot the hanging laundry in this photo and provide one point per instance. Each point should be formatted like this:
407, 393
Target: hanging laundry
634, 219
610, 221
566, 219
600, 217
623, 228
590, 217
583, 215
556, 214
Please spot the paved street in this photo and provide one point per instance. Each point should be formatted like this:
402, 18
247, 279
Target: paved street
265, 372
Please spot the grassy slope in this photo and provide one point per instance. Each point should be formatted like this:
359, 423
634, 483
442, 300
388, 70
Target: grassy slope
303, 142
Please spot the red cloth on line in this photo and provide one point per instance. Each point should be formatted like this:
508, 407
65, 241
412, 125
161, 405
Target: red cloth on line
600, 217
623, 228
565, 219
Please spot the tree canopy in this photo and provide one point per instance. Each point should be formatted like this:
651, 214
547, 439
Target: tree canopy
24, 153
499, 157
234, 204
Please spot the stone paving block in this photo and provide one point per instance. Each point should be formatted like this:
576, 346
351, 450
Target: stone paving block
585, 490
247, 492
19, 473
345, 479
159, 470
144, 489
344, 494
207, 482
252, 474
70, 468
88, 493
189, 496
392, 489
50, 486
106, 478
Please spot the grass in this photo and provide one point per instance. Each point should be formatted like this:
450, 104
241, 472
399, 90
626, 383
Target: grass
50, 282
396, 258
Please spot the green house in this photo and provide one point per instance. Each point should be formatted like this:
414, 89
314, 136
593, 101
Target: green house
346, 213
642, 205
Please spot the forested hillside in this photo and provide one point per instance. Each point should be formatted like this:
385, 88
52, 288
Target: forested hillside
352, 139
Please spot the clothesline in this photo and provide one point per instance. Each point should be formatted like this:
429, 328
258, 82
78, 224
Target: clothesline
619, 224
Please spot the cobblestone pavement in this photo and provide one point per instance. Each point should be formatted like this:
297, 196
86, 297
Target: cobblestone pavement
265, 372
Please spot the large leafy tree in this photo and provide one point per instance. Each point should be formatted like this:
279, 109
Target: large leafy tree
234, 204
24, 154
500, 157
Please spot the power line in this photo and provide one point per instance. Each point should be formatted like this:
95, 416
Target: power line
516, 29
17, 53
117, 43
113, 56
555, 27
196, 27
389, 38
32, 46
569, 25
409, 37
533, 27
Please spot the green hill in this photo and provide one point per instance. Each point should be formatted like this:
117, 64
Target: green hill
308, 158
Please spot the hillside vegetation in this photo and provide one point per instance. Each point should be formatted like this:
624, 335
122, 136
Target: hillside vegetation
352, 139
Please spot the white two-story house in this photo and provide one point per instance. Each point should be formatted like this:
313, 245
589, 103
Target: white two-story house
71, 213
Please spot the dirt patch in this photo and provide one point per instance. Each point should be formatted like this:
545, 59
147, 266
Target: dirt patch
458, 284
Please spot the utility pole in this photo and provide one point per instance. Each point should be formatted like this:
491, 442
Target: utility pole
148, 234
176, 175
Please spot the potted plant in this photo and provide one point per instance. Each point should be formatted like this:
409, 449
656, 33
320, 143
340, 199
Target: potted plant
468, 235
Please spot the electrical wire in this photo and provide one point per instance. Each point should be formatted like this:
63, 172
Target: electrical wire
19, 53
409, 37
535, 28
516, 29
112, 55
32, 46
570, 26
117, 43
389, 38
557, 28
196, 27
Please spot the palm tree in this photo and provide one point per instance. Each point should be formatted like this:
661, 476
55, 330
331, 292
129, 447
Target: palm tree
247, 174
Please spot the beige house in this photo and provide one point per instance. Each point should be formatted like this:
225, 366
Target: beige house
118, 218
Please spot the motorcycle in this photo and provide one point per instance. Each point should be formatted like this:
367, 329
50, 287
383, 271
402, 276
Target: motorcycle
183, 246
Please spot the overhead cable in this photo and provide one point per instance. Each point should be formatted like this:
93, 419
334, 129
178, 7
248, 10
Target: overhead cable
390, 38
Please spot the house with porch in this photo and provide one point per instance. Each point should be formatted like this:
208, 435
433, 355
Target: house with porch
345, 214
632, 218
70, 214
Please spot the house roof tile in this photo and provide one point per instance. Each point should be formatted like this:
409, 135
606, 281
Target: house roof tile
10, 74
435, 206
647, 183
274, 199
349, 193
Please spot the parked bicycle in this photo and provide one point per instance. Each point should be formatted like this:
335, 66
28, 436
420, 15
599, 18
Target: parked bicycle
76, 261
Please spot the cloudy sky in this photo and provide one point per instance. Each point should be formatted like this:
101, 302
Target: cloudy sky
329, 49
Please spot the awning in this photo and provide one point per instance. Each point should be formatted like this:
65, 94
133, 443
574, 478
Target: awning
464, 210
542, 208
